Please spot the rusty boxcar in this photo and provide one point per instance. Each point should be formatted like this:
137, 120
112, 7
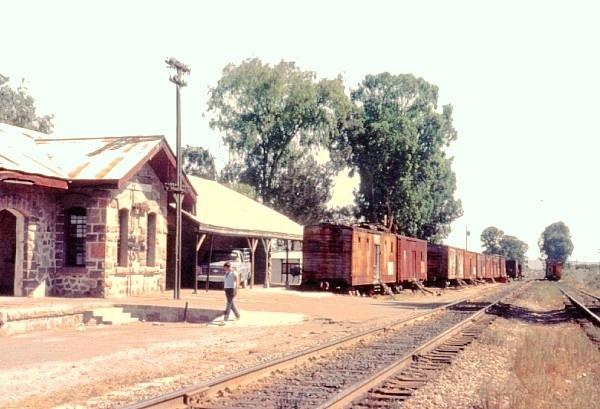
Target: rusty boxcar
514, 269
502, 269
470, 265
444, 263
480, 266
488, 271
347, 256
495, 266
412, 259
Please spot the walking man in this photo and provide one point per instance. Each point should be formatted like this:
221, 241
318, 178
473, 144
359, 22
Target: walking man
231, 283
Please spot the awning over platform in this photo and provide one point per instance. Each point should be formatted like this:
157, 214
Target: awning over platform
224, 211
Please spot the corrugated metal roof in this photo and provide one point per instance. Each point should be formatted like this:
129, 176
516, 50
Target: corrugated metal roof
99, 158
223, 210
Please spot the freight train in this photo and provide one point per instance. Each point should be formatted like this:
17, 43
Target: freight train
344, 257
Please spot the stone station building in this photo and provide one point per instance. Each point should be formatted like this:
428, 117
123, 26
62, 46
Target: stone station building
84, 216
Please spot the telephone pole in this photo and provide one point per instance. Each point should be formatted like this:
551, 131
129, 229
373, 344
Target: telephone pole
177, 190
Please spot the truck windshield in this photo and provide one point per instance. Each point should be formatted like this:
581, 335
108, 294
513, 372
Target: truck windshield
225, 256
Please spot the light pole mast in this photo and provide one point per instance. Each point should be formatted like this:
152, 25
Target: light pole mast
178, 192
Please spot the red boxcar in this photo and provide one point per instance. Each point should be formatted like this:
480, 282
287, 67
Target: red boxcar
503, 268
347, 256
444, 262
495, 266
480, 266
470, 265
412, 259
489, 267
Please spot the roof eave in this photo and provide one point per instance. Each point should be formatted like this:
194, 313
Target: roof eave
239, 232
20, 178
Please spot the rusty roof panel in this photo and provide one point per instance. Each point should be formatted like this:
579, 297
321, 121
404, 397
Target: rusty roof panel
102, 158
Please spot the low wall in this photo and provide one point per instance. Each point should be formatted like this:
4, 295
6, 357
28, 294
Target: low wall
156, 313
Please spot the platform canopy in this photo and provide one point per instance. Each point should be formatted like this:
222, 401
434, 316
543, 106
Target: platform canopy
224, 211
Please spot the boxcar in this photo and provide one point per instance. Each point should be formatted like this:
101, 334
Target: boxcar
502, 268
444, 262
470, 265
495, 266
412, 259
489, 267
460, 262
347, 256
480, 266
513, 269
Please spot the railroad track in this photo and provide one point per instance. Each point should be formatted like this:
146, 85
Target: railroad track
317, 377
588, 308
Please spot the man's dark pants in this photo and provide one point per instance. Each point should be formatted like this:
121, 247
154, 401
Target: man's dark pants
230, 294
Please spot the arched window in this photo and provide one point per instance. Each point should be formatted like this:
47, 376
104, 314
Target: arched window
123, 244
75, 234
151, 240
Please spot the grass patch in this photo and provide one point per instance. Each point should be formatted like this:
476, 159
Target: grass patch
543, 296
552, 368
584, 277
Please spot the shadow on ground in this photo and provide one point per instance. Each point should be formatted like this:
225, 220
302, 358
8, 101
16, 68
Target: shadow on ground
552, 317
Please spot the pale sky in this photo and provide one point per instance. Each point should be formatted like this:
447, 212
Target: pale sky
523, 78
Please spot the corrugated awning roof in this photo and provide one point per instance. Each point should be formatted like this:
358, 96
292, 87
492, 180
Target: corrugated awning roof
224, 211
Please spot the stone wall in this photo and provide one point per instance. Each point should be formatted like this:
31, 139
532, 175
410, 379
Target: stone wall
88, 280
102, 276
143, 195
35, 210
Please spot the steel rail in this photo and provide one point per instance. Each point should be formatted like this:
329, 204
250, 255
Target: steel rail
178, 399
581, 306
597, 298
346, 396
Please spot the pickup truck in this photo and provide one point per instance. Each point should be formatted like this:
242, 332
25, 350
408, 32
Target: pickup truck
215, 271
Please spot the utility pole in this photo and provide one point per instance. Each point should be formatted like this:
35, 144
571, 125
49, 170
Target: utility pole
178, 192
467, 234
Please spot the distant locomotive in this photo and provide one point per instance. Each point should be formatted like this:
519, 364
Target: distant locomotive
554, 269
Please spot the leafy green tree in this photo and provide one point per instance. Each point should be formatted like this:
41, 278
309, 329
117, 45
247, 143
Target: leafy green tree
342, 215
397, 146
17, 108
491, 238
198, 161
269, 115
555, 242
513, 249
303, 191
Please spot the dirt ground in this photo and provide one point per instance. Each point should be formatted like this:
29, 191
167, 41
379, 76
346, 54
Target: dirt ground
108, 366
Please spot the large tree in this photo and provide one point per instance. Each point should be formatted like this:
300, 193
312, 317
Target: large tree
513, 249
491, 239
198, 161
304, 190
555, 242
398, 151
17, 108
274, 118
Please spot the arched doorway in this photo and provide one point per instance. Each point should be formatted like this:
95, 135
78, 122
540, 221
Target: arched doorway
8, 252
